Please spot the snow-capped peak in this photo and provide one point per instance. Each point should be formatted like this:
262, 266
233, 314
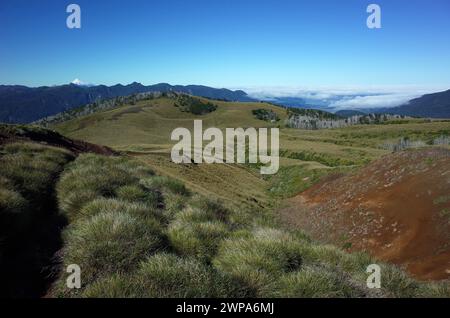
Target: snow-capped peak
80, 83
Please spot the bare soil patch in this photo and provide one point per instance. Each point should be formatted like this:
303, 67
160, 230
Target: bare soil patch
396, 208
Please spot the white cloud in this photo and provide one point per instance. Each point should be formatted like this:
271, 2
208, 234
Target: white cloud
346, 97
373, 101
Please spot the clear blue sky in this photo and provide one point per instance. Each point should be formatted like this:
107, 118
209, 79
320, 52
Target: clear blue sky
228, 43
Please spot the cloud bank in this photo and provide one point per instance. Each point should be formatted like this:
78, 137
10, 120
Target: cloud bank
346, 97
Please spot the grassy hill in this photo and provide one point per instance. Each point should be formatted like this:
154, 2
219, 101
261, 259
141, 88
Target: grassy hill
151, 122
137, 233
143, 130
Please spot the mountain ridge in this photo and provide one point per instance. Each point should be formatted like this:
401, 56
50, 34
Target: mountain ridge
436, 105
22, 104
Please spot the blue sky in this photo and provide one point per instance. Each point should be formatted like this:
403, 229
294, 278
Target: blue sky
233, 43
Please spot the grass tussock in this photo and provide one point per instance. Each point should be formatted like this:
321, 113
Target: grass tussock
165, 185
197, 239
165, 275
92, 176
110, 243
313, 282
257, 258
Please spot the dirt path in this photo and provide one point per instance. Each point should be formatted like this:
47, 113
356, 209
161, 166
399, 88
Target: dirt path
397, 209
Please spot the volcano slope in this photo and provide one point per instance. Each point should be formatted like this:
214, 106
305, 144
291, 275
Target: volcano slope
396, 208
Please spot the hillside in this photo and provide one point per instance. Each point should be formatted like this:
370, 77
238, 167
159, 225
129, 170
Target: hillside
21, 104
136, 233
152, 121
142, 130
397, 208
435, 105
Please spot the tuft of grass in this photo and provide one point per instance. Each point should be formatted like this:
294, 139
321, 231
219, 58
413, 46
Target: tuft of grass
133, 193
356, 262
92, 176
215, 209
112, 286
109, 243
136, 209
435, 290
173, 204
165, 185
314, 282
258, 258
197, 239
168, 276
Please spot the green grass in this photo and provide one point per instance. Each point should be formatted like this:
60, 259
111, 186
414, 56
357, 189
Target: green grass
28, 216
109, 243
138, 234
166, 275
314, 282
294, 179
136, 208
91, 177
163, 183
197, 239
26, 179
258, 258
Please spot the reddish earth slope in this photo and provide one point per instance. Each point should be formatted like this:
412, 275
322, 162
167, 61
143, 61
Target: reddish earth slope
397, 209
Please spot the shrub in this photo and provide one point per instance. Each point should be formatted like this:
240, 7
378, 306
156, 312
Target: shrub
110, 243
266, 115
168, 276
194, 105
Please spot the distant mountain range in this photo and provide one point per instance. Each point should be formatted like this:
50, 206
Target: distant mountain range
435, 105
21, 104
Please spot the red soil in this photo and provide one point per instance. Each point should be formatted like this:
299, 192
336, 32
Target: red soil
397, 209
